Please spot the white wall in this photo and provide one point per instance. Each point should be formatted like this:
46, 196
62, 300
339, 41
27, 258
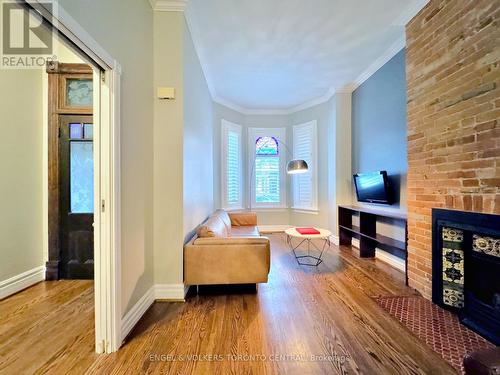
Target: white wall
125, 29
342, 167
183, 146
24, 222
24, 225
21, 219
198, 192
169, 28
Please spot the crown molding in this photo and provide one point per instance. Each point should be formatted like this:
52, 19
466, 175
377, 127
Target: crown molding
346, 89
270, 111
314, 102
226, 103
264, 112
168, 5
410, 12
388, 54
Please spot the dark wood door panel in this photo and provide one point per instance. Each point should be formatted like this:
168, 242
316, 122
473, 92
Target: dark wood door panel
76, 216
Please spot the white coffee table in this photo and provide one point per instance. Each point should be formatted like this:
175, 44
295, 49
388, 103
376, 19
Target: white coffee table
324, 235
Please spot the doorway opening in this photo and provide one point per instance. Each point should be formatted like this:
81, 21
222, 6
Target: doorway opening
70, 171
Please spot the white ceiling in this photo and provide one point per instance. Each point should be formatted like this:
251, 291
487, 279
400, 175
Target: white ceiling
284, 54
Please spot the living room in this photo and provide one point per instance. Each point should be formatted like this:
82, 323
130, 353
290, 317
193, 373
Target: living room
289, 191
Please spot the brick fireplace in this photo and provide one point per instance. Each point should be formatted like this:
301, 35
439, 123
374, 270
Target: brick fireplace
453, 89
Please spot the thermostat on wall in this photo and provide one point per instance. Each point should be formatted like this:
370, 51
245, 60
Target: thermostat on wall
166, 93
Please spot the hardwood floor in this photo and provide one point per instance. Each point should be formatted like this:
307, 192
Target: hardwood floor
304, 321
48, 328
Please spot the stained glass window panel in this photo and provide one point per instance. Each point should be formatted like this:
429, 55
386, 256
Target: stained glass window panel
266, 146
88, 131
79, 92
81, 177
75, 131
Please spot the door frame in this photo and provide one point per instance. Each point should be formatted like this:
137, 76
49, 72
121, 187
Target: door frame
57, 73
107, 189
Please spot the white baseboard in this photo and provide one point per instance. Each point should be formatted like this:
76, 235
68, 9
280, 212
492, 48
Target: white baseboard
273, 228
172, 292
164, 292
335, 239
385, 257
21, 281
390, 259
355, 243
136, 312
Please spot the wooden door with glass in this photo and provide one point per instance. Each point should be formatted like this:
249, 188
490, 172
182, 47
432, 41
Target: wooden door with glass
76, 197
71, 172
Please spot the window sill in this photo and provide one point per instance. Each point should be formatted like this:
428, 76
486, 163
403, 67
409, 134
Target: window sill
269, 209
308, 211
233, 209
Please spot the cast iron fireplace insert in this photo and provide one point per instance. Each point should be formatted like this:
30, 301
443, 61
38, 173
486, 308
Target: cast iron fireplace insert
466, 268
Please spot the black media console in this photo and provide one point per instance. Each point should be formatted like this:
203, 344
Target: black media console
367, 234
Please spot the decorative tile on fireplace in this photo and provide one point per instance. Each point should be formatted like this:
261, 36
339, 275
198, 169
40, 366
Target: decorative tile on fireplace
486, 245
453, 267
453, 235
453, 297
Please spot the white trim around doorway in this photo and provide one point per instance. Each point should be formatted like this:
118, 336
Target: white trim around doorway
107, 209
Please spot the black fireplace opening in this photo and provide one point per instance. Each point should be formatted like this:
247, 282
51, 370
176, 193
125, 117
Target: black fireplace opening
484, 280
466, 268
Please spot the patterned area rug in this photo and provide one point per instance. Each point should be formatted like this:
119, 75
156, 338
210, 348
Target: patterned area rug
440, 329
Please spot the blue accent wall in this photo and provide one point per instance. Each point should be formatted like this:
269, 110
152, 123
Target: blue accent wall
379, 125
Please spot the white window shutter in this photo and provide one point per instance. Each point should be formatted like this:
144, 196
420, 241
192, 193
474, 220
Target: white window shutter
305, 185
232, 166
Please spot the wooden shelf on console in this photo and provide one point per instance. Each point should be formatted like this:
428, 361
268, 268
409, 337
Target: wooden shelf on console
353, 229
381, 239
367, 234
399, 215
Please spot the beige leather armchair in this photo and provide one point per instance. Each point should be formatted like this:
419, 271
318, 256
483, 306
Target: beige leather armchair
227, 249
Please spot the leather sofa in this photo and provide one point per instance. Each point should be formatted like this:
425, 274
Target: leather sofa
227, 249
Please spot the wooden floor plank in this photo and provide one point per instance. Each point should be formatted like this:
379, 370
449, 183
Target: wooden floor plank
305, 320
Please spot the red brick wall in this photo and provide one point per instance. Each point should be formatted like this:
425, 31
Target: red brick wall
453, 80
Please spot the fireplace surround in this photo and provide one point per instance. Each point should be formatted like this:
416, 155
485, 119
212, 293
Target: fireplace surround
466, 268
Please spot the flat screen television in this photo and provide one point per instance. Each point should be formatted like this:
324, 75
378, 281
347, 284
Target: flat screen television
373, 187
